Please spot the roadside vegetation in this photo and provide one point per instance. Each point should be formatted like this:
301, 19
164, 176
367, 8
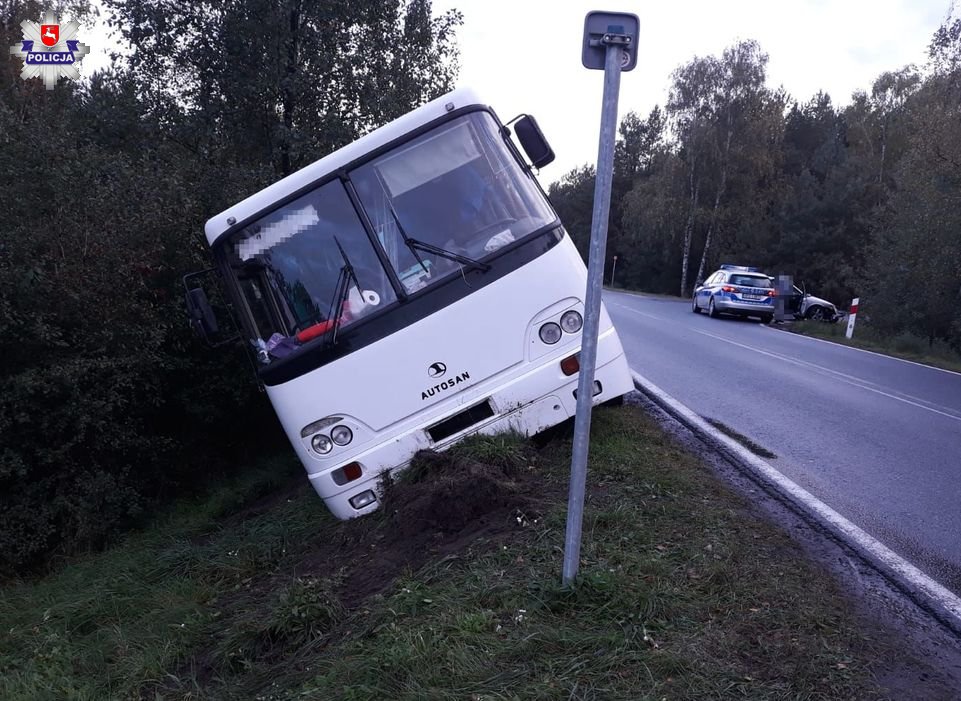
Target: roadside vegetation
904, 345
107, 402
452, 591
853, 195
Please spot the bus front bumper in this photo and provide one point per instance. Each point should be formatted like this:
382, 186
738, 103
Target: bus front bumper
556, 404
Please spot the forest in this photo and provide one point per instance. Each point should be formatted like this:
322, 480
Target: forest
110, 408
856, 200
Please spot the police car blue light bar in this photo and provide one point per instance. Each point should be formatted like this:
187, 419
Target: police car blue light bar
740, 268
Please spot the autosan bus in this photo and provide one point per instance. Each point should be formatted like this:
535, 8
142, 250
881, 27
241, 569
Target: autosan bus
407, 290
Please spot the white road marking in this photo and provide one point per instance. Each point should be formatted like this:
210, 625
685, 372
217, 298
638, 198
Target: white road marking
810, 338
843, 377
924, 587
640, 313
864, 350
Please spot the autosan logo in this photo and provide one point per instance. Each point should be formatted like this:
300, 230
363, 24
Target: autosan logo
437, 370
447, 384
50, 50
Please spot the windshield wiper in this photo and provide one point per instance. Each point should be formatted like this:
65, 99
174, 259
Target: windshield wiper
414, 245
450, 255
341, 292
406, 239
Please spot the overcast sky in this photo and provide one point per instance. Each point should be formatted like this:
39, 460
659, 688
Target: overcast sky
525, 55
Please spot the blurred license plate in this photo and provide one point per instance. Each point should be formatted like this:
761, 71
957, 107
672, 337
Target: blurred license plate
753, 296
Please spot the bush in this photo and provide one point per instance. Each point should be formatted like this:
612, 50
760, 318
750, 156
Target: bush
107, 404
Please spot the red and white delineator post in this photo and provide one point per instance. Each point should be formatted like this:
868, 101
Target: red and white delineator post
852, 314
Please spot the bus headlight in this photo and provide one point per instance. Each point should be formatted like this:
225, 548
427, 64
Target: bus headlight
550, 333
571, 321
321, 444
341, 435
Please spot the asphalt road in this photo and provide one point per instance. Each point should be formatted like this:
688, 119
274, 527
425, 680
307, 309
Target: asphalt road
875, 438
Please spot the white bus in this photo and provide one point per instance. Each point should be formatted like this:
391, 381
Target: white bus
407, 290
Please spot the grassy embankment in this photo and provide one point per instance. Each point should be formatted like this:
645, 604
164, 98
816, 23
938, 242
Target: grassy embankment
907, 346
451, 592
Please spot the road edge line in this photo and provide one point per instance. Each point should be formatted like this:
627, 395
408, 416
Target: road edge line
943, 604
865, 350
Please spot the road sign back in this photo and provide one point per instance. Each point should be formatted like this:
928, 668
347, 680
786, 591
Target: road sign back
604, 28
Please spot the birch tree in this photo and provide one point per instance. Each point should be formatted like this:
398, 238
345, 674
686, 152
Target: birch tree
689, 111
736, 100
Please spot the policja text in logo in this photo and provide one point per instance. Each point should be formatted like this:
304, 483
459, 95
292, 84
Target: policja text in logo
49, 50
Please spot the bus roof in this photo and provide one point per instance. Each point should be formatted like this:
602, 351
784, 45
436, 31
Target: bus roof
260, 201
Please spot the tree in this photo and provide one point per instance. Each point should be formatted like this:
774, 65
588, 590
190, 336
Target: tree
639, 141
889, 96
638, 145
573, 198
914, 275
737, 106
725, 121
654, 217
689, 110
861, 200
108, 406
286, 82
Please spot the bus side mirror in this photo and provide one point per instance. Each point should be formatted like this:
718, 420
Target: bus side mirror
533, 141
201, 314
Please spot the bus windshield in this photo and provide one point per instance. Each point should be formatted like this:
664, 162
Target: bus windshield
456, 188
292, 266
445, 199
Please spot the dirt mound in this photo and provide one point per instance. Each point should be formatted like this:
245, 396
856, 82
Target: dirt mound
447, 492
436, 508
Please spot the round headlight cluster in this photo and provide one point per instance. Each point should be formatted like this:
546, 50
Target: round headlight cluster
571, 321
321, 444
340, 435
550, 333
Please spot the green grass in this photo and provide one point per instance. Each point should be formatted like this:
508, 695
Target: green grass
682, 594
905, 345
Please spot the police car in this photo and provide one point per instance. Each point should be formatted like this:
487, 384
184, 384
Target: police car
738, 290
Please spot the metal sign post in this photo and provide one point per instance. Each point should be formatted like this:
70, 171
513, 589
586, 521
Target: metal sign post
613, 268
609, 40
